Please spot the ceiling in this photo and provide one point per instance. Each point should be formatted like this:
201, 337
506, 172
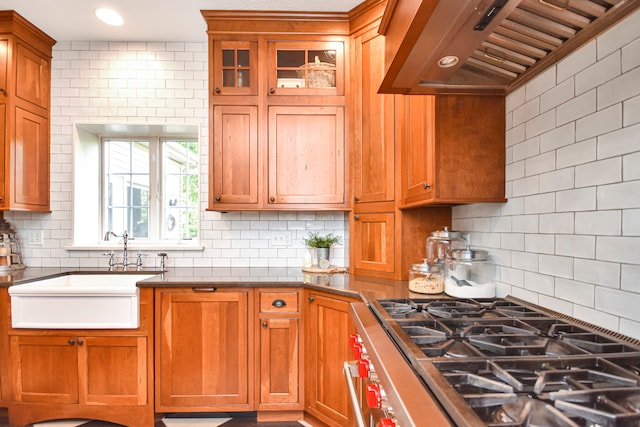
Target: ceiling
147, 20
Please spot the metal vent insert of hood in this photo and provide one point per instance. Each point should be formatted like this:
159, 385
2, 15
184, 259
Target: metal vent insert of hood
500, 44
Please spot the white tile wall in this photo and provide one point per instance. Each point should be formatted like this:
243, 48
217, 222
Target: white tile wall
156, 83
573, 183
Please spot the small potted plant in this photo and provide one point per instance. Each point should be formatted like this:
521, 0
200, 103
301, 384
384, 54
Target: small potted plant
322, 245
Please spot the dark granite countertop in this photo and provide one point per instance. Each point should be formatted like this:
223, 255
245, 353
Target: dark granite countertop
339, 283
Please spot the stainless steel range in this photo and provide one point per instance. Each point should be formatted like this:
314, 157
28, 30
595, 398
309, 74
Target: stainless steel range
505, 362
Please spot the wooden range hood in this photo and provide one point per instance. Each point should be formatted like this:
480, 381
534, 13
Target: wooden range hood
500, 44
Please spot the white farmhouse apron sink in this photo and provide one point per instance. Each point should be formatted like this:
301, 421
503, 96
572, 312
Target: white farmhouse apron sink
78, 301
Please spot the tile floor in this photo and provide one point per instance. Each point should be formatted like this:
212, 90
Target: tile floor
182, 420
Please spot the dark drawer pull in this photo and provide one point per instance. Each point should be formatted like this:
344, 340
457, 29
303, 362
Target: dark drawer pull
278, 303
210, 289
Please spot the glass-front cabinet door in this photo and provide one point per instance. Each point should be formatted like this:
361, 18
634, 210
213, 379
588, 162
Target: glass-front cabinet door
306, 68
235, 66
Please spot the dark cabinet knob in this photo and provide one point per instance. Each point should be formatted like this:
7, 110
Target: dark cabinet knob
217, 90
217, 198
271, 91
71, 341
265, 324
80, 342
426, 185
279, 303
356, 217
356, 199
311, 298
272, 199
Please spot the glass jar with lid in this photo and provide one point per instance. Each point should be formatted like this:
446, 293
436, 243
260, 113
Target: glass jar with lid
470, 273
440, 244
425, 278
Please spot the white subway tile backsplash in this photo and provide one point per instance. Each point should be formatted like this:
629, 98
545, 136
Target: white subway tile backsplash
599, 123
541, 84
631, 222
631, 167
540, 203
559, 137
525, 224
526, 111
577, 153
575, 292
623, 195
631, 56
553, 223
577, 61
618, 303
598, 173
601, 72
576, 108
577, 246
540, 124
631, 111
539, 283
595, 317
557, 95
620, 142
618, 249
599, 222
619, 36
563, 179
512, 241
525, 186
630, 278
555, 304
539, 243
582, 199
597, 272
526, 149
526, 261
619, 89
559, 266
539, 164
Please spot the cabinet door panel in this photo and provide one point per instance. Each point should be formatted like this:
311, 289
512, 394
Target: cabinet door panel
306, 155
375, 242
3, 171
279, 361
32, 71
113, 370
418, 148
235, 67
204, 344
327, 334
374, 125
235, 155
45, 369
31, 159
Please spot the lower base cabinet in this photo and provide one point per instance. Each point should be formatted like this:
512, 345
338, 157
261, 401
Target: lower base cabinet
100, 375
204, 349
327, 329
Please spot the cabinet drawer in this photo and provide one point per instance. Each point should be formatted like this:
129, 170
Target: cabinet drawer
279, 302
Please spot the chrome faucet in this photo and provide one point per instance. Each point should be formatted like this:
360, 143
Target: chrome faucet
125, 252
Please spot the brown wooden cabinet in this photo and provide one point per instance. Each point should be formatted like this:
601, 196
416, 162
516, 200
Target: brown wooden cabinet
25, 79
103, 375
278, 111
280, 350
327, 328
452, 149
204, 351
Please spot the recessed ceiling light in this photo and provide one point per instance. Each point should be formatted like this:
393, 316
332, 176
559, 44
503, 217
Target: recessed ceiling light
109, 16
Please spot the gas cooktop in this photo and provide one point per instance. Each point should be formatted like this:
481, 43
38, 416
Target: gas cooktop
505, 362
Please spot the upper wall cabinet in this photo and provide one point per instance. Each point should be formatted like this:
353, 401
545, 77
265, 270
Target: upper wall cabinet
278, 110
485, 46
25, 80
452, 149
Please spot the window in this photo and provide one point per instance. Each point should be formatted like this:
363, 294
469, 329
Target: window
144, 179
151, 188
